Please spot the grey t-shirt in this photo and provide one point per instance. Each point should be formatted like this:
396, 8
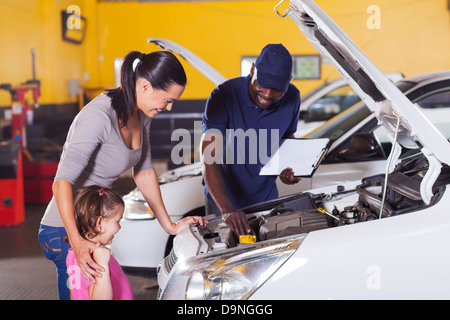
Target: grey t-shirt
95, 153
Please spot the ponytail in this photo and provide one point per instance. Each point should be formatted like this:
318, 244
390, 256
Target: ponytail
160, 68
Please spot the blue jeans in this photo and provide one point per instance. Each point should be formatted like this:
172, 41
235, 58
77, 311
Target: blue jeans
56, 249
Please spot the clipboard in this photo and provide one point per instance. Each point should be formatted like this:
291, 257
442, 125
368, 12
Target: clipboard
302, 155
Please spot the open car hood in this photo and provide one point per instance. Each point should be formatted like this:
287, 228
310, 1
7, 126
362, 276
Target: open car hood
198, 63
392, 108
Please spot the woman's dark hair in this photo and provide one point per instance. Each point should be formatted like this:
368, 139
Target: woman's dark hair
160, 68
91, 203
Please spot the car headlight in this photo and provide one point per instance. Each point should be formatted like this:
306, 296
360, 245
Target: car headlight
136, 209
229, 275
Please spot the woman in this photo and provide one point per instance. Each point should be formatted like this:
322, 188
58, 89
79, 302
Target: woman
109, 136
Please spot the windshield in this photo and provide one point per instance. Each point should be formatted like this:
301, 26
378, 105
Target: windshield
346, 120
317, 89
405, 85
341, 123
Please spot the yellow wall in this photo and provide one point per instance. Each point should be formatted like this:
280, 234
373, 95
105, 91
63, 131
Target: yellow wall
218, 32
414, 37
28, 24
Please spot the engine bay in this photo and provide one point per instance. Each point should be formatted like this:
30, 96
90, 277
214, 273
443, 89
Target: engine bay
306, 212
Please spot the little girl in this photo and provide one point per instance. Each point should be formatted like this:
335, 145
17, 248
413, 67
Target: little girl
98, 212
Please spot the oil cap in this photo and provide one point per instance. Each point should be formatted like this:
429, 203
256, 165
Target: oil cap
247, 239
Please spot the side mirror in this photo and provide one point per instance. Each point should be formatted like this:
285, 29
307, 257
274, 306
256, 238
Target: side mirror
362, 146
304, 115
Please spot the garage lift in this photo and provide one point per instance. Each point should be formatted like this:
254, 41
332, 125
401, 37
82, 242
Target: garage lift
33, 179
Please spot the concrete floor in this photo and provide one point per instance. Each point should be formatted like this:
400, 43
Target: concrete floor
25, 274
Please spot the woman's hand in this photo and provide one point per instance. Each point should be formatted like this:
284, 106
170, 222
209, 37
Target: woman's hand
83, 250
147, 182
176, 227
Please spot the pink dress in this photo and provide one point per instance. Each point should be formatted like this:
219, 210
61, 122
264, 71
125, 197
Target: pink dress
79, 285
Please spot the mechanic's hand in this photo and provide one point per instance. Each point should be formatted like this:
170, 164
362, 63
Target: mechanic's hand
237, 221
287, 176
83, 250
188, 220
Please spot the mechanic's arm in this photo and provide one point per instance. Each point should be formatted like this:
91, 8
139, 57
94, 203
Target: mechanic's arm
62, 191
147, 182
211, 149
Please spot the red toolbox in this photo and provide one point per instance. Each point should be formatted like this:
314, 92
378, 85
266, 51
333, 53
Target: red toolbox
12, 204
38, 181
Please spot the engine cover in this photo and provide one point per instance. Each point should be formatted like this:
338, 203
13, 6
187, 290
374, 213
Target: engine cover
296, 222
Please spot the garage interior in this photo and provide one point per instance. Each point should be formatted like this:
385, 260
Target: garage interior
57, 55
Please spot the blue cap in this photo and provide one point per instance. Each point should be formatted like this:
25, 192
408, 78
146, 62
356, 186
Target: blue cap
274, 67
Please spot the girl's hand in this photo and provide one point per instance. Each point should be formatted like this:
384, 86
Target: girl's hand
102, 288
102, 255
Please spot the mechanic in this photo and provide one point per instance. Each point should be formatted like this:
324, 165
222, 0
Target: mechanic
109, 136
264, 102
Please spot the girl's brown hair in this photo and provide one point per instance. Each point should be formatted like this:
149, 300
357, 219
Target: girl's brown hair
92, 203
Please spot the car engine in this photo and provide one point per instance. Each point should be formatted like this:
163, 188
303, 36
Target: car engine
306, 212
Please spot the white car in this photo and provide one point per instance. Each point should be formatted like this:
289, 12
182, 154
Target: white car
383, 237
359, 149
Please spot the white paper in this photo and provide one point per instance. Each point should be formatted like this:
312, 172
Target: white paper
299, 154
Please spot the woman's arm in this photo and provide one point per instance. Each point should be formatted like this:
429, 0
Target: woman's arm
62, 191
147, 182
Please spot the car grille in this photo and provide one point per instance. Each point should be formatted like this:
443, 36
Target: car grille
168, 262
158, 294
